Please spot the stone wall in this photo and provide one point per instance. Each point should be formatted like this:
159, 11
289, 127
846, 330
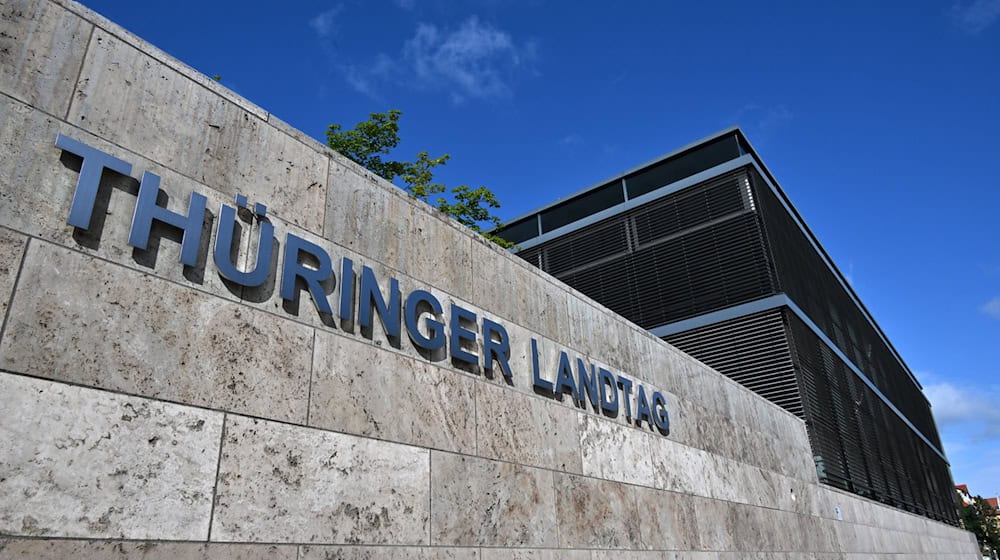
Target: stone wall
150, 409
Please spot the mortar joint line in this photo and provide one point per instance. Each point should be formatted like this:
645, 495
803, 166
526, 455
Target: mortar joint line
312, 376
13, 289
215, 485
79, 72
430, 497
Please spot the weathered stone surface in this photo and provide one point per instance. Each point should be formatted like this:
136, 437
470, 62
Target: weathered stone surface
667, 520
87, 321
534, 554
680, 468
281, 483
596, 513
11, 251
24, 549
526, 430
386, 552
490, 503
713, 520
387, 395
615, 452
77, 462
41, 50
133, 100
368, 215
37, 182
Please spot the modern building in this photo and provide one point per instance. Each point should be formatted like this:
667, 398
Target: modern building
704, 249
381, 382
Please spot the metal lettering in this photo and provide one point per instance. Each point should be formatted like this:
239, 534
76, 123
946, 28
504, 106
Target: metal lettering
148, 211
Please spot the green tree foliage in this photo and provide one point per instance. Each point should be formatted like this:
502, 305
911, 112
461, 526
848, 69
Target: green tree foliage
370, 143
984, 522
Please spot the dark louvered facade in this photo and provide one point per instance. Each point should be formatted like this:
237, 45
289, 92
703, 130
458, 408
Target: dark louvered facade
703, 248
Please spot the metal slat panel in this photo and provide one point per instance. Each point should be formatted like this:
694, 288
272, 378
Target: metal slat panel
803, 275
863, 446
751, 350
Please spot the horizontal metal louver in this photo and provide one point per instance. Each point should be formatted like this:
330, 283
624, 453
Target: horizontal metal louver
697, 250
861, 445
751, 350
803, 275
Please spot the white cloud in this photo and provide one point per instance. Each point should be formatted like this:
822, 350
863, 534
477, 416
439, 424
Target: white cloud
365, 80
976, 408
992, 308
474, 60
571, 140
324, 24
406, 4
976, 15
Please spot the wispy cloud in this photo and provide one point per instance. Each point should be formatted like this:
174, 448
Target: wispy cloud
406, 4
473, 60
571, 140
324, 24
972, 407
974, 16
992, 308
366, 79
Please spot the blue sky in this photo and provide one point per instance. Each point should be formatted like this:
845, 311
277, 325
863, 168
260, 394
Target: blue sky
879, 119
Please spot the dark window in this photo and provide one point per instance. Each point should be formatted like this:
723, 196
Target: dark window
681, 166
521, 230
582, 206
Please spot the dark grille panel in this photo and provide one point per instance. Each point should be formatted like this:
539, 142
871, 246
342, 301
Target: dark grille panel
803, 275
582, 206
520, 231
860, 444
655, 271
687, 209
591, 245
752, 351
696, 160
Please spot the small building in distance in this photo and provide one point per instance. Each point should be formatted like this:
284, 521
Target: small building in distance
702, 248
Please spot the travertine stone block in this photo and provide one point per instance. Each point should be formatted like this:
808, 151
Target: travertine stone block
37, 182
615, 452
368, 215
596, 513
667, 520
208, 83
491, 503
680, 468
526, 430
494, 281
41, 50
359, 390
87, 321
133, 100
77, 462
281, 483
713, 518
535, 554
314, 552
546, 310
24, 549
440, 253
363, 213
11, 251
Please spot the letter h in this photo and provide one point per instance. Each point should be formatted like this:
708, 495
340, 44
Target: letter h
146, 211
